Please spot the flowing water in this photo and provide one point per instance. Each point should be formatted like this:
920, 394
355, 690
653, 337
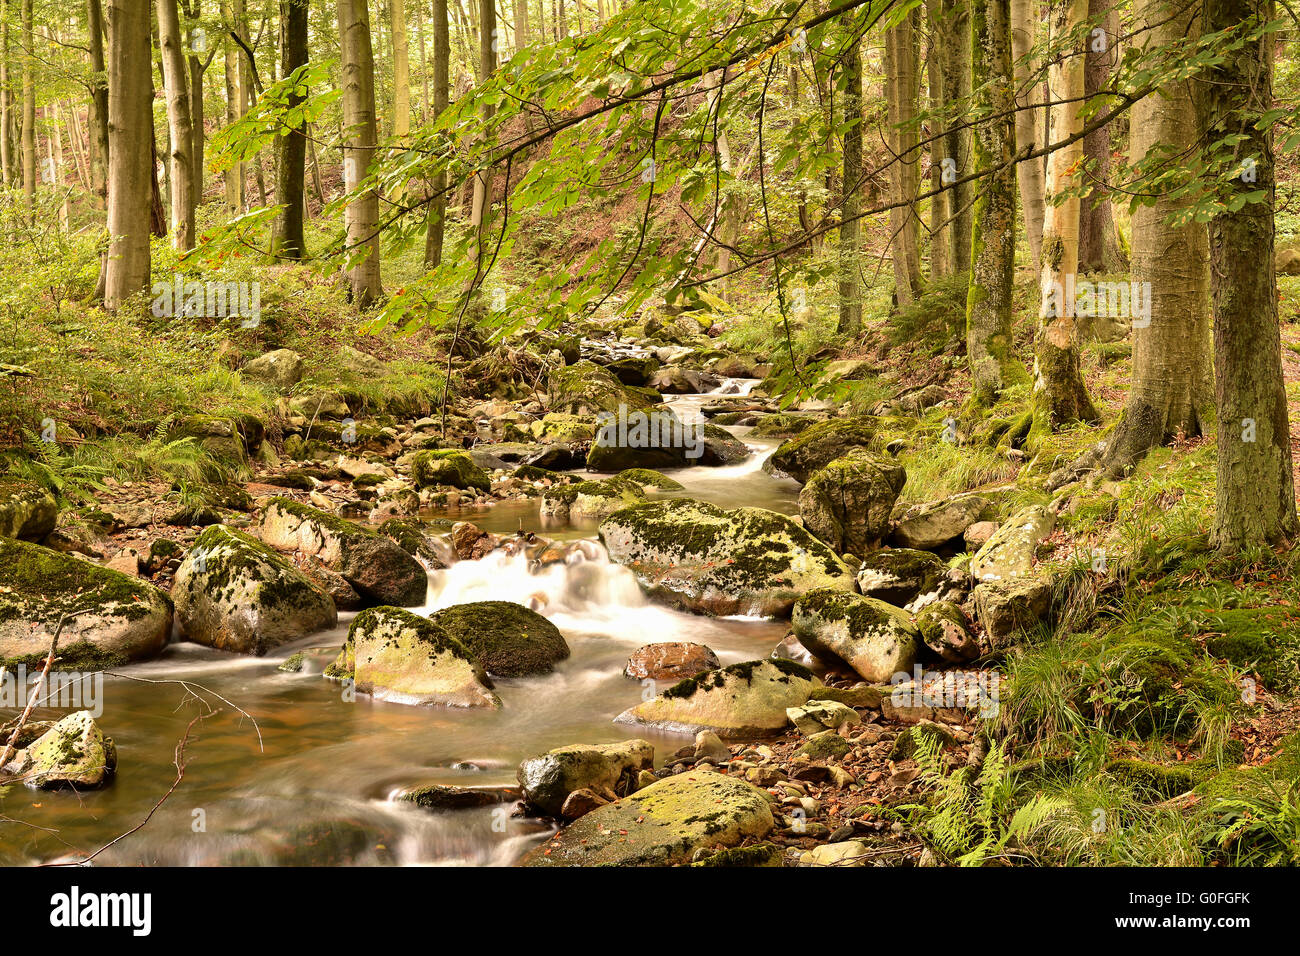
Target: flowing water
307, 777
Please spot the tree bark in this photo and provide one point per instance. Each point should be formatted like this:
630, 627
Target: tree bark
29, 109
291, 168
130, 151
176, 82
936, 57
1172, 376
98, 114
521, 24
850, 288
401, 72
233, 13
989, 298
360, 142
1099, 248
957, 139
1058, 381
1255, 494
436, 225
902, 90
480, 210
1029, 127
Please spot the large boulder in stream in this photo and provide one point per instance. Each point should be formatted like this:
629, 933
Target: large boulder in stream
72, 753
584, 388
590, 499
704, 559
876, 639
663, 824
903, 577
848, 503
659, 439
117, 617
397, 656
372, 563
816, 447
508, 639
234, 593
742, 701
447, 466
547, 780
26, 510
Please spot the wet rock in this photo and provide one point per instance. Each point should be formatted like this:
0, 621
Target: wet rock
946, 631
663, 824
548, 780
848, 502
589, 499
647, 478
903, 577
585, 388
859, 695
740, 701
815, 716
26, 510
449, 467
816, 447
1006, 608
397, 656
929, 526
470, 542
675, 380
762, 854
236, 594
282, 368
1009, 554
72, 753
508, 639
580, 803
417, 538
876, 639
707, 560
371, 563
783, 425
442, 797
343, 594
125, 619
673, 660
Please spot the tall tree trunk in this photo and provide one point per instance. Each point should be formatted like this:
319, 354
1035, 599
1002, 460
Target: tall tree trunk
233, 13
130, 151
936, 58
1172, 377
1255, 493
424, 61
1099, 248
360, 142
436, 225
989, 298
197, 66
291, 168
902, 90
956, 38
1029, 126
401, 72
850, 290
29, 108
97, 118
1058, 385
521, 24
180, 125
6, 100
480, 210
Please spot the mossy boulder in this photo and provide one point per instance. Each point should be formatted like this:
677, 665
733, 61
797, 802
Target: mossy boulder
72, 753
946, 631
848, 502
816, 447
234, 593
547, 780
934, 524
659, 439
508, 639
876, 639
281, 368
372, 563
663, 824
26, 510
589, 499
739, 702
704, 559
562, 427
1005, 609
782, 425
648, 478
1009, 554
903, 577
397, 656
126, 619
584, 388
418, 538
445, 466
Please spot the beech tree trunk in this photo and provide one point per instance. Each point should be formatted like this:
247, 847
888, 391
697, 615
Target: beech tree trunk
130, 151
360, 140
233, 13
901, 91
989, 298
850, 288
1058, 381
401, 72
436, 225
29, 109
1172, 377
6, 113
480, 208
957, 137
1255, 494
176, 82
291, 168
1099, 247
1029, 127
98, 114
936, 58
